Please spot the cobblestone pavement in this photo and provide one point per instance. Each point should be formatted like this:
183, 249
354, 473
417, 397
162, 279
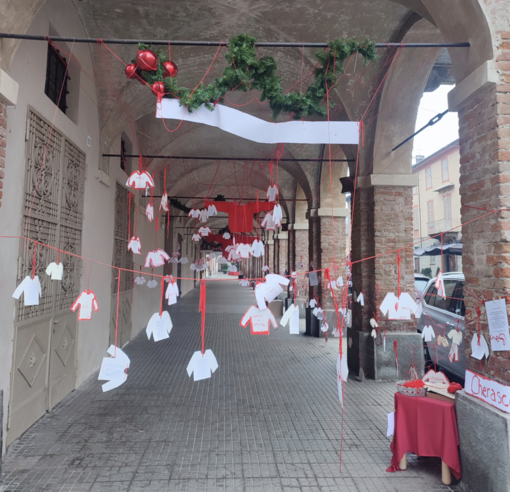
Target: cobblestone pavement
268, 420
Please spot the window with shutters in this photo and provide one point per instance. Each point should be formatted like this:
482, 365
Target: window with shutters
56, 78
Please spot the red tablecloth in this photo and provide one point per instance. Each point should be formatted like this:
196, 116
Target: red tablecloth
425, 427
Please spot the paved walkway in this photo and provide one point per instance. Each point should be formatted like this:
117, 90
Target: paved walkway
268, 419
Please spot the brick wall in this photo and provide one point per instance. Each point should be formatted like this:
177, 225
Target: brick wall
484, 129
283, 252
3, 131
301, 246
382, 223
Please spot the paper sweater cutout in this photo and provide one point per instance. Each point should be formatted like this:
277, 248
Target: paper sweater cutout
172, 293
156, 258
222, 260
479, 350
265, 268
244, 283
260, 320
140, 180
149, 212
232, 268
313, 303
164, 202
361, 299
140, 280
196, 237
277, 215
226, 235
455, 336
246, 126
268, 222
211, 211
340, 281
428, 333
433, 378
291, 316
398, 308
184, 260
270, 289
174, 259
134, 245
272, 193
194, 213
439, 285
204, 215
257, 248
159, 326
152, 284
87, 301
233, 255
31, 290
243, 250
114, 369
240, 217
202, 365
56, 272
204, 231
442, 341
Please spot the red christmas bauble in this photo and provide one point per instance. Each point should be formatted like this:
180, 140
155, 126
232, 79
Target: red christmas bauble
158, 88
147, 60
170, 69
130, 71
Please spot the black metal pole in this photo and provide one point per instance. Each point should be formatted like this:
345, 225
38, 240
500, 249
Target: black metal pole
210, 158
262, 44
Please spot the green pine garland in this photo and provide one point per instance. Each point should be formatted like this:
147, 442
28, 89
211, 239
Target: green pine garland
246, 72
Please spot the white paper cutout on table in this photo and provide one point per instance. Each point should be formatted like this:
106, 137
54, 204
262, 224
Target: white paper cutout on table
391, 424
439, 285
164, 202
87, 301
498, 325
291, 317
398, 308
31, 290
260, 320
55, 271
159, 326
361, 299
172, 293
438, 379
204, 231
149, 212
114, 369
194, 213
211, 211
140, 180
196, 237
428, 333
257, 248
140, 280
202, 366
270, 289
152, 283
134, 245
156, 258
226, 235
478, 351
251, 128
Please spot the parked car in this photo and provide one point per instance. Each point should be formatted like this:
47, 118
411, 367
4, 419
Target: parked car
444, 315
420, 282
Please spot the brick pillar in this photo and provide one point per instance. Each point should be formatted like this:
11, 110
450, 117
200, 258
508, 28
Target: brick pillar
283, 252
3, 144
301, 248
292, 249
314, 244
270, 255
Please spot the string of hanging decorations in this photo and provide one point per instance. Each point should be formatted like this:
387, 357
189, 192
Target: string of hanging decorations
245, 72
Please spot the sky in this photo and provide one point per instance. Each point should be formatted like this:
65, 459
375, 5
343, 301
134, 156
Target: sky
442, 133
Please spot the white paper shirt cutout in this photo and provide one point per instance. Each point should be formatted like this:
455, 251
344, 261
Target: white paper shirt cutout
268, 222
265, 268
260, 320
159, 326
55, 271
455, 336
340, 281
31, 290
270, 289
342, 369
202, 366
152, 284
272, 193
172, 293
204, 231
232, 268
439, 285
277, 215
156, 258
134, 245
140, 180
226, 235
211, 210
257, 248
373, 323
184, 260
140, 280
149, 211
243, 250
291, 316
204, 215
164, 202
361, 299
244, 283
312, 303
479, 351
87, 301
398, 308
428, 333
114, 369
196, 237
194, 213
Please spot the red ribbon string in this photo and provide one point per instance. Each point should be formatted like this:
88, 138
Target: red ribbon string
34, 261
157, 224
117, 314
201, 309
58, 257
140, 162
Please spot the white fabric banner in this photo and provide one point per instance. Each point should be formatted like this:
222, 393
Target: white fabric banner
261, 131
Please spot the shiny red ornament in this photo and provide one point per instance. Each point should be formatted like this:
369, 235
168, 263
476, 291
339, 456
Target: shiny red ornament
147, 60
158, 89
170, 69
130, 71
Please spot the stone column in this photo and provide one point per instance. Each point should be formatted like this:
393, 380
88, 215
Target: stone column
301, 249
382, 223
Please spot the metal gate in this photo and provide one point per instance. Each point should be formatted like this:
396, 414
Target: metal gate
122, 258
44, 355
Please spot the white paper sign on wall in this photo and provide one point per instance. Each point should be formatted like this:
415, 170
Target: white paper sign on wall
487, 390
498, 324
